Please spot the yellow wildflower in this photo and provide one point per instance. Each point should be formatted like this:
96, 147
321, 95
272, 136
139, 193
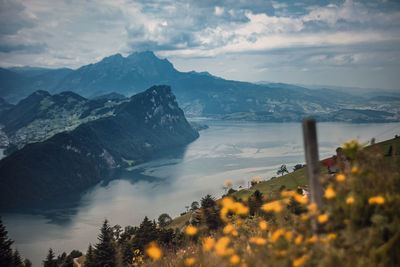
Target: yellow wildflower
278, 233
255, 179
350, 200
240, 209
224, 211
234, 233
340, 177
313, 208
354, 169
286, 193
280, 252
190, 261
220, 246
323, 218
312, 239
263, 225
304, 217
208, 243
379, 200
272, 206
332, 236
243, 265
300, 261
329, 192
228, 183
288, 236
298, 239
235, 259
300, 199
258, 240
191, 230
228, 229
153, 251
227, 202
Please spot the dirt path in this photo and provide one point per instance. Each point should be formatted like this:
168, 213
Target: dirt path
76, 262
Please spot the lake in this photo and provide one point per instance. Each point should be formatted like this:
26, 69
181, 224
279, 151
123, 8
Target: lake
235, 151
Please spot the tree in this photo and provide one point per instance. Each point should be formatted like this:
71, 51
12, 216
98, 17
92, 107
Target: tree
117, 230
50, 260
27, 263
17, 260
210, 212
298, 167
69, 262
194, 206
5, 247
75, 253
282, 170
164, 219
255, 202
89, 261
104, 254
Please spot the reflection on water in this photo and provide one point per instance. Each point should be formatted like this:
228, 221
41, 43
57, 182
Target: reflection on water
171, 181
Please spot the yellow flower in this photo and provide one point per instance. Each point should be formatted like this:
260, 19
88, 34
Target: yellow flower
191, 230
153, 251
300, 199
234, 233
323, 218
224, 211
255, 179
350, 200
190, 261
240, 209
220, 246
235, 259
272, 206
208, 243
280, 252
298, 239
228, 183
288, 236
332, 236
329, 192
286, 193
304, 217
258, 240
228, 229
379, 200
300, 261
227, 202
313, 208
263, 225
312, 239
354, 169
340, 177
278, 233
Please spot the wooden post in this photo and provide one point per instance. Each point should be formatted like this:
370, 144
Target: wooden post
312, 160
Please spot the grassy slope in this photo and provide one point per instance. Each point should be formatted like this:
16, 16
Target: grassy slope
290, 181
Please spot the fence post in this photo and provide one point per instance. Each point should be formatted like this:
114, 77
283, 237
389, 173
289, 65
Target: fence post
312, 161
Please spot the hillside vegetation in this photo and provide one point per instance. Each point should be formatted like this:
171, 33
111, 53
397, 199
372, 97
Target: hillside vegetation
274, 224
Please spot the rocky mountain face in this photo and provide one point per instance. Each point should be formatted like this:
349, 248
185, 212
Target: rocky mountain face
73, 161
199, 94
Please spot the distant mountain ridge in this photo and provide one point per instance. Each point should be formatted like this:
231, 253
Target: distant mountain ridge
199, 94
69, 162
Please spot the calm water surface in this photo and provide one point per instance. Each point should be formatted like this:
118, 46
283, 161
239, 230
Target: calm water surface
236, 151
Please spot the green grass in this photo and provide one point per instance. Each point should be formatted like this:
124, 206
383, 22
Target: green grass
180, 221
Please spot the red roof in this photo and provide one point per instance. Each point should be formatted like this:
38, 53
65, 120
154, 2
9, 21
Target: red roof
328, 162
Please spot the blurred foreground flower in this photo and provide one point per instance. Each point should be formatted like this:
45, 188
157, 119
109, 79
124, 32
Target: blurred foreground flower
191, 230
379, 200
153, 251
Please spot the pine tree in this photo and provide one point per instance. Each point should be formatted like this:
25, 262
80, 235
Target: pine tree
50, 260
17, 260
6, 258
89, 262
68, 262
27, 263
104, 254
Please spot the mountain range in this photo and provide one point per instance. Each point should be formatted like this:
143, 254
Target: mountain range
72, 161
200, 93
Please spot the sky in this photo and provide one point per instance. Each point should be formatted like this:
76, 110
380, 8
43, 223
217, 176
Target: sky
344, 43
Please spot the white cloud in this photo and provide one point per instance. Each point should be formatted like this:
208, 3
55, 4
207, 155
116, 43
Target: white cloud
219, 11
